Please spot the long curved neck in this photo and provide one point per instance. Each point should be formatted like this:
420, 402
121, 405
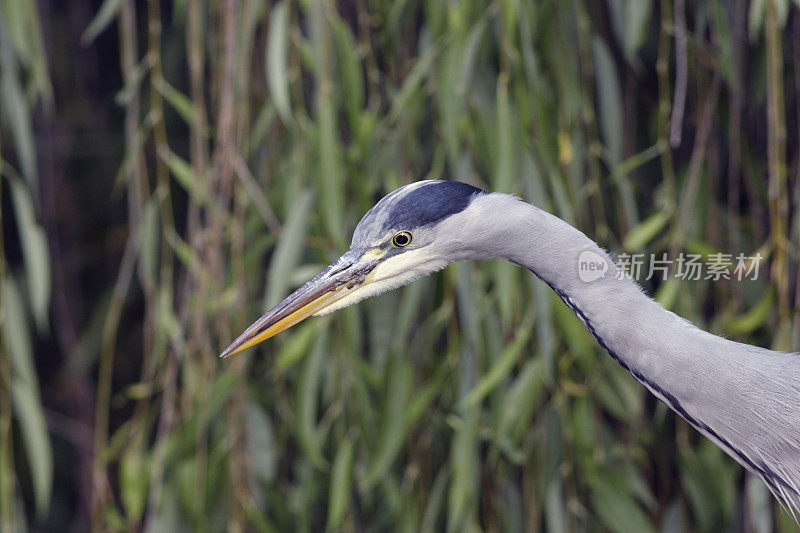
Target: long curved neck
717, 385
632, 327
662, 350
612, 306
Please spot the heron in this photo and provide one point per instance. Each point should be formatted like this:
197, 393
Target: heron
744, 398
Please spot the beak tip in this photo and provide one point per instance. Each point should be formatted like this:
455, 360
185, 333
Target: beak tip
308, 300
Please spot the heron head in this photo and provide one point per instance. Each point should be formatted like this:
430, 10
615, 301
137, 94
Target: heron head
409, 233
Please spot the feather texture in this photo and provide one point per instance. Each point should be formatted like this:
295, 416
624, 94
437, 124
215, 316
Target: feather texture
744, 398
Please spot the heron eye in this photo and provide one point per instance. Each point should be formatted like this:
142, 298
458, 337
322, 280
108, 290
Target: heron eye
401, 239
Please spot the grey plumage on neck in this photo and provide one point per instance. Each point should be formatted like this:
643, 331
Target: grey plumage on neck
744, 398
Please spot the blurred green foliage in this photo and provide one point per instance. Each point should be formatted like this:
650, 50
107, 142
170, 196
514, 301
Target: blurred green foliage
250, 137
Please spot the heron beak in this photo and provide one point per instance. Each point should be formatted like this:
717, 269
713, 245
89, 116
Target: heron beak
339, 279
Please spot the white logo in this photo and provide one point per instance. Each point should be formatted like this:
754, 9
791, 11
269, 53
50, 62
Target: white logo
591, 266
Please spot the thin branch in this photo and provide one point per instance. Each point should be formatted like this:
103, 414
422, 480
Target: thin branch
676, 120
256, 195
776, 161
101, 487
735, 128
8, 488
696, 165
662, 69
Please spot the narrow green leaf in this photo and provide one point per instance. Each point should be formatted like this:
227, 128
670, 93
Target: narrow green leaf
609, 95
307, 397
646, 231
184, 174
167, 321
277, 59
15, 107
434, 502
350, 76
13, 22
330, 160
105, 16
35, 252
132, 83
260, 443
330, 172
618, 392
554, 507
298, 343
464, 464
667, 293
637, 19
618, 511
755, 317
31, 45
582, 426
393, 427
501, 367
577, 339
21, 19
150, 239
340, 488
755, 18
454, 76
468, 55
521, 398
16, 334
505, 156
185, 253
27, 404
184, 439
413, 82
759, 504
288, 250
133, 483
179, 101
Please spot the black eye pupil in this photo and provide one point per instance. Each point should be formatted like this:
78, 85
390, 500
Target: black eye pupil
401, 239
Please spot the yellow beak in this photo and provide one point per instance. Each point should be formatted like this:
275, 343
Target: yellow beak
332, 284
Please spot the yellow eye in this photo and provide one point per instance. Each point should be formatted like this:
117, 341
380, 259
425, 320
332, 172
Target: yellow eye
401, 239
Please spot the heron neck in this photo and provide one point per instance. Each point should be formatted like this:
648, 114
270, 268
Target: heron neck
633, 328
715, 384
